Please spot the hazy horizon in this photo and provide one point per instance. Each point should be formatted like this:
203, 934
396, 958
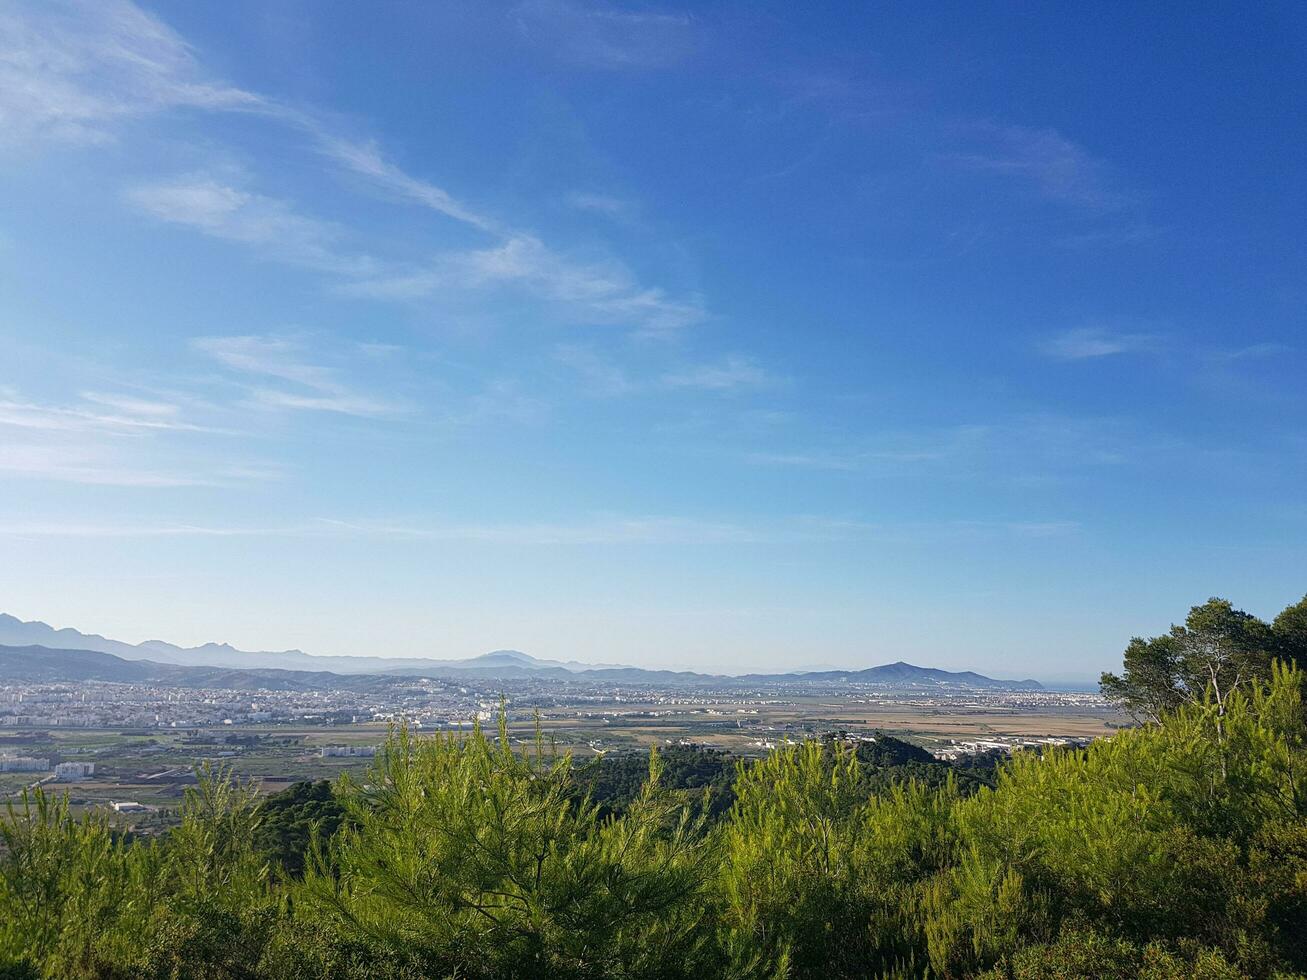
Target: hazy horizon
706, 336
1075, 679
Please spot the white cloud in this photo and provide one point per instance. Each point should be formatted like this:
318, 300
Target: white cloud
1086, 343
603, 530
272, 226
605, 204
1253, 352
733, 373
75, 70
131, 405
599, 375
942, 448
95, 464
806, 460
64, 529
1017, 449
130, 418
138, 443
62, 465
600, 530
603, 377
599, 35
281, 359
366, 160
502, 400
601, 291
1044, 159
71, 72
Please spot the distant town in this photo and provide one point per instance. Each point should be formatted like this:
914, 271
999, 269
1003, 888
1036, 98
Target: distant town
126, 728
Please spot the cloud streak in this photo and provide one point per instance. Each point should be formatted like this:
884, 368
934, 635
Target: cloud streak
95, 464
602, 36
605, 378
366, 160
1042, 159
601, 292
269, 225
1088, 343
71, 72
601, 530
314, 387
52, 418
731, 374
1030, 448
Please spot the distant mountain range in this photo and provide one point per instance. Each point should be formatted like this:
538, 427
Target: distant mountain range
35, 651
16, 632
37, 664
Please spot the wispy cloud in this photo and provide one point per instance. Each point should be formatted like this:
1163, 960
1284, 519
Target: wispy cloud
807, 460
64, 465
1048, 162
71, 72
89, 463
501, 400
74, 529
601, 35
270, 225
859, 460
602, 530
1085, 343
733, 373
606, 530
605, 204
315, 387
599, 376
136, 443
600, 291
78, 70
132, 405
109, 438
366, 160
132, 416
1252, 352
1021, 448
595, 291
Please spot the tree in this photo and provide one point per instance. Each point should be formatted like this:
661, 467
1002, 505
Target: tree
291, 818
1289, 633
483, 863
1217, 650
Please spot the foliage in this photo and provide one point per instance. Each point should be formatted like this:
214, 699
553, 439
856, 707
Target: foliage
1175, 849
483, 860
1217, 650
291, 819
702, 778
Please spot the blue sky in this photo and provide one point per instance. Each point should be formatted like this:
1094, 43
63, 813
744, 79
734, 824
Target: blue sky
725, 336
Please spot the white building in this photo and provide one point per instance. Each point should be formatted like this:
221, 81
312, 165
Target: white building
22, 763
349, 751
67, 772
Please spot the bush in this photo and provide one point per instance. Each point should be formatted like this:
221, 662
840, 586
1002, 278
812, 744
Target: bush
1174, 850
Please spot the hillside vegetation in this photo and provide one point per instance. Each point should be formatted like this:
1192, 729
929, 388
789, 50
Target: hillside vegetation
1173, 850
